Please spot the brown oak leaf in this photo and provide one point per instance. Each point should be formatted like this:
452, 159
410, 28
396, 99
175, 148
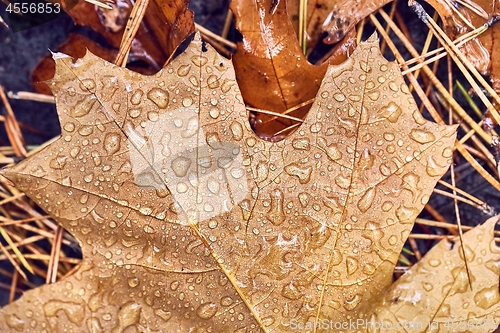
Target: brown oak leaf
190, 222
272, 72
165, 25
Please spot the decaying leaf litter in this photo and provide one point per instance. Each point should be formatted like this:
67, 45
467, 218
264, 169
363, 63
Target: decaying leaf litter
270, 66
299, 178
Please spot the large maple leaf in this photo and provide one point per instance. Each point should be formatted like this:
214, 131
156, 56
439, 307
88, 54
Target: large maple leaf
189, 222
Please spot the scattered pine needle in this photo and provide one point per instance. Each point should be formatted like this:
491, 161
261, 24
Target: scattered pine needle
14, 248
100, 4
30, 96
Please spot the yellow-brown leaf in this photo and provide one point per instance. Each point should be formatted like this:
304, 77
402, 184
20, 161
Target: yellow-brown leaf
440, 288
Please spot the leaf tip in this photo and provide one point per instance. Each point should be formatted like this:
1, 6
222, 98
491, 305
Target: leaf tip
58, 55
197, 36
5, 170
373, 38
6, 174
493, 220
449, 130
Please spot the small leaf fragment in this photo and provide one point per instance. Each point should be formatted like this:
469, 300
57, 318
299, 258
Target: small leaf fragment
439, 287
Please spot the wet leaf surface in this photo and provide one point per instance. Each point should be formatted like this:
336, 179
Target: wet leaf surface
76, 46
189, 221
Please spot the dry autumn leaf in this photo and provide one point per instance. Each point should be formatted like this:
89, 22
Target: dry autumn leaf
165, 25
272, 72
189, 222
480, 50
331, 20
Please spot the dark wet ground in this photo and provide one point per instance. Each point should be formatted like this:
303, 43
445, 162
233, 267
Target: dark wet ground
19, 54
